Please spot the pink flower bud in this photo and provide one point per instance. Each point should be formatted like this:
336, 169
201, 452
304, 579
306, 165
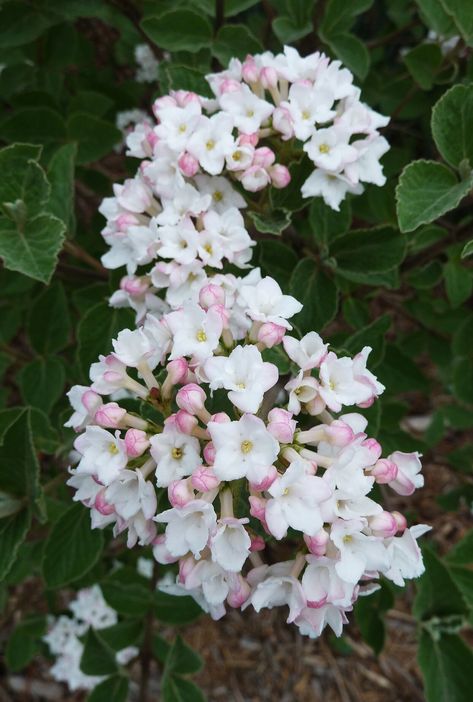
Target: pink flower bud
239, 592
186, 566
315, 406
317, 544
191, 397
383, 524
339, 433
152, 139
223, 313
204, 479
161, 552
366, 403
401, 521
125, 220
384, 471
171, 422
185, 97
257, 543
266, 481
161, 103
91, 401
209, 453
220, 418
250, 139
211, 295
280, 175
281, 425
264, 157
185, 422
374, 447
268, 77
271, 334
257, 507
101, 504
254, 179
110, 415
249, 70
136, 442
188, 165
180, 493
177, 371
282, 122
134, 285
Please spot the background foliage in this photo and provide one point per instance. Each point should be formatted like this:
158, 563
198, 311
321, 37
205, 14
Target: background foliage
392, 269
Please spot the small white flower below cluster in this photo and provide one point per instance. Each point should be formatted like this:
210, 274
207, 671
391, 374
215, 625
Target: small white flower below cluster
65, 638
147, 64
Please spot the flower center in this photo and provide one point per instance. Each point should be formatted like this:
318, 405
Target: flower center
286, 491
347, 539
113, 448
182, 128
218, 196
208, 248
176, 453
305, 114
250, 113
241, 386
246, 446
324, 149
201, 335
210, 145
237, 156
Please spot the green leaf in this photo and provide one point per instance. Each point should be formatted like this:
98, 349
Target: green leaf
96, 329
446, 663
234, 40
436, 17
274, 223
290, 198
463, 380
374, 250
426, 190
19, 468
9, 505
462, 15
452, 117
97, 657
23, 178
458, 282
72, 547
24, 642
49, 323
20, 23
462, 552
288, 31
467, 249
13, 531
326, 223
176, 689
32, 247
277, 260
95, 136
45, 438
42, 383
113, 689
317, 292
61, 177
369, 615
186, 78
179, 30
334, 30
33, 124
372, 335
91, 102
123, 634
182, 659
423, 62
172, 609
131, 599
437, 594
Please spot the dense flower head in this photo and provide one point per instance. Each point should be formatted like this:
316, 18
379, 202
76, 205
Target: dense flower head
202, 160
242, 454
65, 638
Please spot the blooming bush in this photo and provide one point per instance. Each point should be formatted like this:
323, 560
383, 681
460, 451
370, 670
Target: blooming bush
267, 336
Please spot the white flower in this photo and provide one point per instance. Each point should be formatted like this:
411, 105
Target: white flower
244, 374
179, 241
358, 552
329, 149
405, 556
322, 584
189, 527
177, 124
130, 493
176, 455
230, 545
229, 228
186, 201
338, 384
308, 352
301, 389
103, 454
90, 607
311, 622
243, 448
247, 110
85, 402
408, 476
308, 105
265, 302
332, 187
220, 189
279, 588
212, 141
195, 332
295, 500
133, 347
367, 167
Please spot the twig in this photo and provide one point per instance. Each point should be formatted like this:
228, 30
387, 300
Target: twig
219, 14
78, 252
392, 35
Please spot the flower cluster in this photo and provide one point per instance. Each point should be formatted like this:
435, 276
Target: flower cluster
202, 157
208, 452
65, 634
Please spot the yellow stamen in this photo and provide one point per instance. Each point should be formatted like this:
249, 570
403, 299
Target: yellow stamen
113, 448
201, 335
176, 453
246, 446
324, 149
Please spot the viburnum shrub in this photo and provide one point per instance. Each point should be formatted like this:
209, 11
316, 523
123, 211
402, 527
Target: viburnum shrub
259, 345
